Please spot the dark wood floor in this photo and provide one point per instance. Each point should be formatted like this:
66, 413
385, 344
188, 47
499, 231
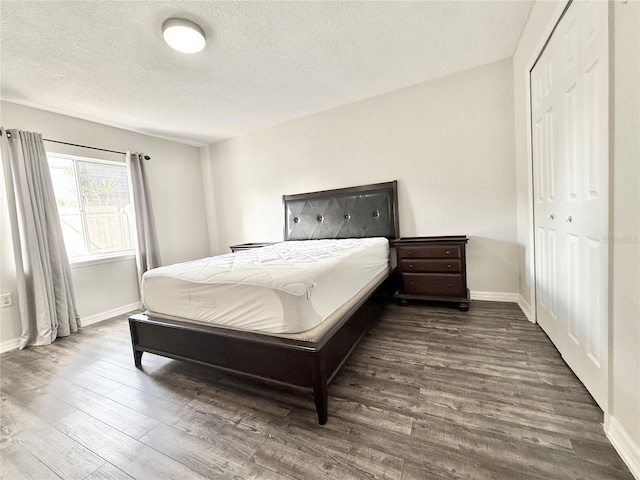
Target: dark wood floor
429, 393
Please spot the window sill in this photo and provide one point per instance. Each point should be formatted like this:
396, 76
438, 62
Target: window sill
97, 260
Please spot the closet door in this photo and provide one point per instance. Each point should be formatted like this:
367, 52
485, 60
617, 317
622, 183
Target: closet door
569, 100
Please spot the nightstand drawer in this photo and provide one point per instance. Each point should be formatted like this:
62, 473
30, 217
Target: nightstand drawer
429, 251
421, 265
428, 284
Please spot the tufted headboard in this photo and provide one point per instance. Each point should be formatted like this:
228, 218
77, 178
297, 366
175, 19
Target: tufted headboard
354, 212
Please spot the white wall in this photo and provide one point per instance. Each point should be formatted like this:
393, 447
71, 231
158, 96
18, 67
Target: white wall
448, 142
622, 421
175, 181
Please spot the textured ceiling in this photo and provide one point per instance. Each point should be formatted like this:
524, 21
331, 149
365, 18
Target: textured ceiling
265, 62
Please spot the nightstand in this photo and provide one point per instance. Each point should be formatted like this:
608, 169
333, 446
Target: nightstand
248, 246
432, 268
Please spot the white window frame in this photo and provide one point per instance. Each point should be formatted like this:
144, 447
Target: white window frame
89, 260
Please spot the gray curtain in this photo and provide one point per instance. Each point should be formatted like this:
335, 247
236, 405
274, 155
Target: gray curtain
45, 292
148, 253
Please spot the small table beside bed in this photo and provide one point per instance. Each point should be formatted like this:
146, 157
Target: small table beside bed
290, 312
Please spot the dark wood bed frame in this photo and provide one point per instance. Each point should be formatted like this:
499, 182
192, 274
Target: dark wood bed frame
355, 212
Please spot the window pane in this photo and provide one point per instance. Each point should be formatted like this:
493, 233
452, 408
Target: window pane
65, 190
94, 205
107, 206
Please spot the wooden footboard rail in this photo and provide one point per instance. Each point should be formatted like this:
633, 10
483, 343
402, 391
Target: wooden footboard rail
305, 365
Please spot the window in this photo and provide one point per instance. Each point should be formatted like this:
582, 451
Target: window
95, 206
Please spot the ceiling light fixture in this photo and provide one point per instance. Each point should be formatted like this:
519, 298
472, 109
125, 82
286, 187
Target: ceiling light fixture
183, 35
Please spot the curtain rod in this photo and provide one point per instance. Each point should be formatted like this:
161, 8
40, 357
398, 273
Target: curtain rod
146, 157
84, 146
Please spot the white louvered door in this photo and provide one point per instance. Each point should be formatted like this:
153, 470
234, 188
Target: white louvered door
569, 100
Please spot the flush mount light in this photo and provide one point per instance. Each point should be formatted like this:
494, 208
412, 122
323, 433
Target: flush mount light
183, 35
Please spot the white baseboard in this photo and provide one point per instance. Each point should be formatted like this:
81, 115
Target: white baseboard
86, 321
495, 296
9, 345
629, 450
99, 317
525, 307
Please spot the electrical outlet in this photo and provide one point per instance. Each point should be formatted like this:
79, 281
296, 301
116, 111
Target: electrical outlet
6, 300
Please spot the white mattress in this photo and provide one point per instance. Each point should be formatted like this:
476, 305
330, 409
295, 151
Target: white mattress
289, 287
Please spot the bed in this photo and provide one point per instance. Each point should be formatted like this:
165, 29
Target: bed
297, 356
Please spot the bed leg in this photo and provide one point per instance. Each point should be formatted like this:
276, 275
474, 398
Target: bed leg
137, 354
321, 398
137, 359
320, 390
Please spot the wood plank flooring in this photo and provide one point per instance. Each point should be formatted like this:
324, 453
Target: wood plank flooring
430, 393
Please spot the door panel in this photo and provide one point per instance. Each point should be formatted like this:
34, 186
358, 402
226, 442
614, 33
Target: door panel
594, 285
574, 302
570, 164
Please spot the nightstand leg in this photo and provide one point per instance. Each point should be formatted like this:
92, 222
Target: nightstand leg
402, 302
464, 307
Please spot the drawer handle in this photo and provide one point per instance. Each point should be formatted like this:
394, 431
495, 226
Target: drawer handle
448, 252
450, 285
449, 266
410, 252
411, 283
410, 266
